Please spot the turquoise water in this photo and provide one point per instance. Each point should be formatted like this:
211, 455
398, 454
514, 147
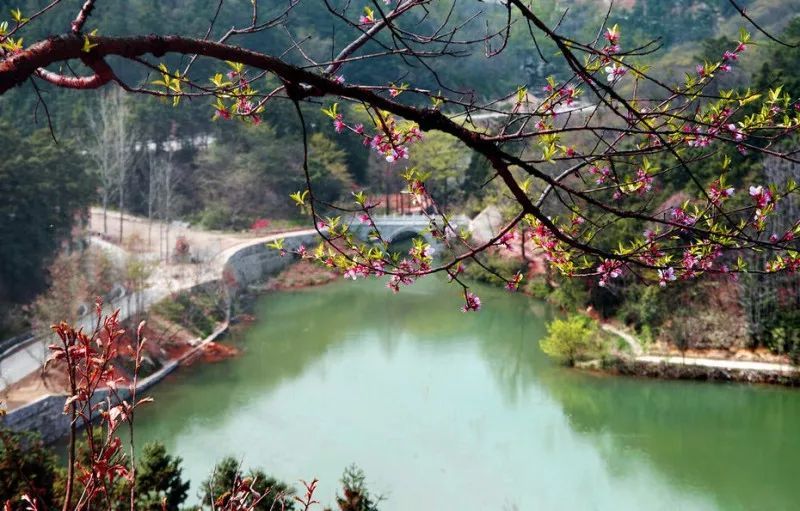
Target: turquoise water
446, 410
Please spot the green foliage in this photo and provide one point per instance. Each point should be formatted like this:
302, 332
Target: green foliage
505, 266
327, 168
782, 63
570, 339
644, 306
446, 160
197, 311
356, 495
538, 287
27, 466
159, 479
668, 21
782, 332
44, 189
570, 294
222, 481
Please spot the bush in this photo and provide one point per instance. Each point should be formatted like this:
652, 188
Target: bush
783, 333
643, 306
159, 482
197, 311
27, 467
538, 287
571, 339
570, 294
228, 475
504, 266
356, 496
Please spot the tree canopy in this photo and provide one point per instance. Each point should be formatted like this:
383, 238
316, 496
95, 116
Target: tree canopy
583, 154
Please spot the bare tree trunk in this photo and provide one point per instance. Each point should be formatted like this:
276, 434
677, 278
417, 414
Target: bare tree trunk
111, 148
105, 214
121, 205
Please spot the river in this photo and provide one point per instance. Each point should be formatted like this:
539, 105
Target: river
446, 410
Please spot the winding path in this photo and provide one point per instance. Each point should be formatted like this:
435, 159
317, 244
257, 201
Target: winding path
716, 363
28, 357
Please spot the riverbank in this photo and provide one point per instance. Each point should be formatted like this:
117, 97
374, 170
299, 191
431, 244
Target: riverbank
39, 405
665, 362
703, 369
655, 359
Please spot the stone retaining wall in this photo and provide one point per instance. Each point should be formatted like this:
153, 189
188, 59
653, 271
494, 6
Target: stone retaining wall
631, 367
47, 417
254, 263
249, 265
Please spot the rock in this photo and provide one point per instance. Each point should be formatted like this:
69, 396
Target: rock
486, 224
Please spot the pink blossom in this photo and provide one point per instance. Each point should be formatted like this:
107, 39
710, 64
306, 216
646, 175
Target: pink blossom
737, 134
665, 276
378, 268
761, 195
338, 124
681, 217
611, 35
647, 181
699, 141
513, 284
394, 284
472, 302
601, 174
729, 55
506, 239
608, 270
689, 260
614, 72
718, 194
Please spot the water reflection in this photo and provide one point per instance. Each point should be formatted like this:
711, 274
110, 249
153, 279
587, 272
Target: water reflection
462, 411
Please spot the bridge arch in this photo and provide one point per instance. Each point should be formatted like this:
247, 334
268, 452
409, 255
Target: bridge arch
407, 233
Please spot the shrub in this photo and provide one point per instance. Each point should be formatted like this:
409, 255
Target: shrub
27, 467
571, 339
159, 481
356, 496
228, 475
504, 266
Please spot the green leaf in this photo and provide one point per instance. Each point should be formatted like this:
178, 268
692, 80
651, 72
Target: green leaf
16, 15
299, 197
87, 44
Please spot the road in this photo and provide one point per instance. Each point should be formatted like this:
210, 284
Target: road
743, 365
719, 363
165, 280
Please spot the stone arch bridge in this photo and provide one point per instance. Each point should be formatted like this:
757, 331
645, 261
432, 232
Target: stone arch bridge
394, 228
